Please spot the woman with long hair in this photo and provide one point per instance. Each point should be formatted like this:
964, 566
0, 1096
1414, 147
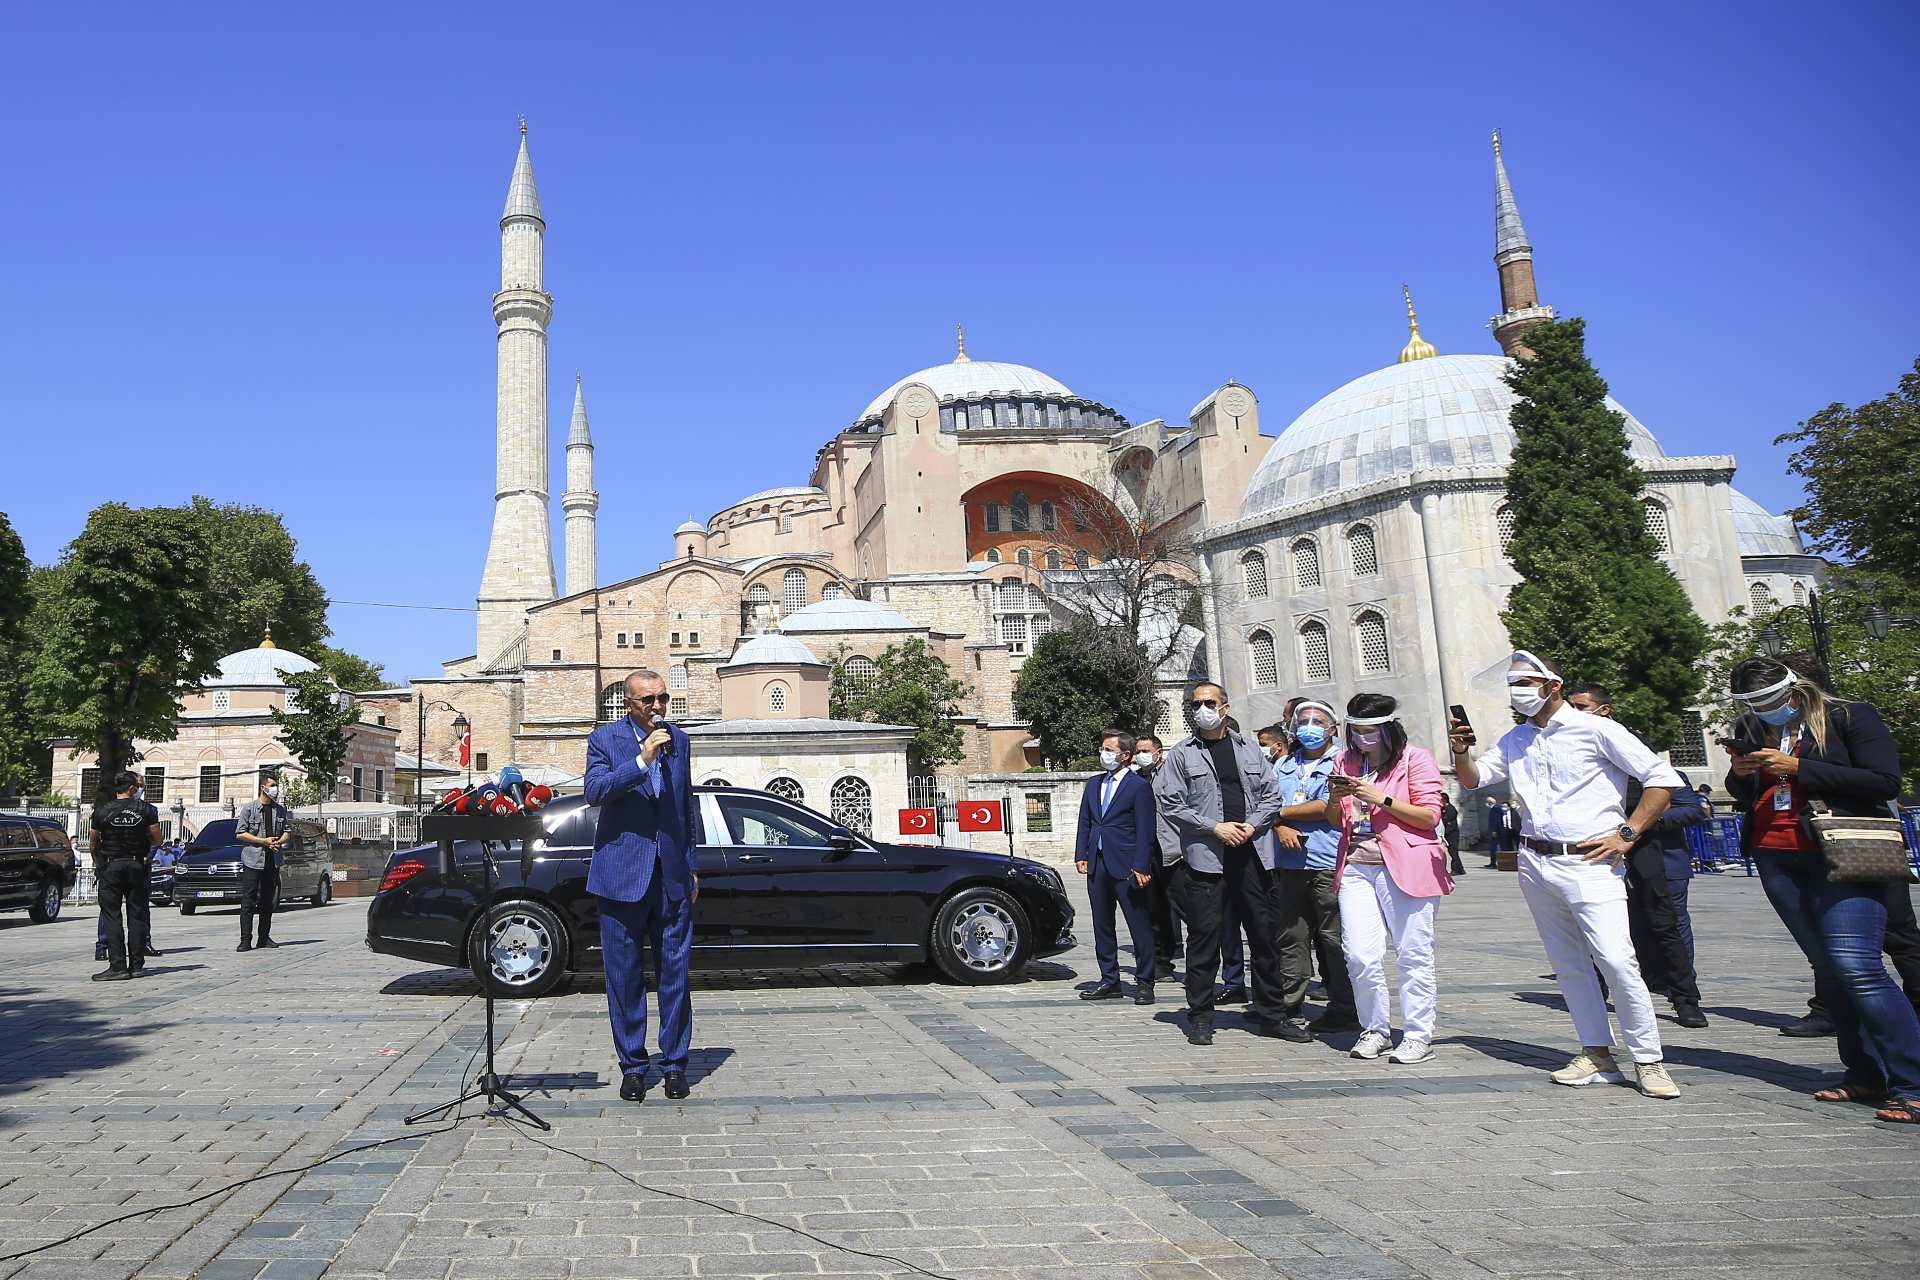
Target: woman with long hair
1805, 747
1390, 874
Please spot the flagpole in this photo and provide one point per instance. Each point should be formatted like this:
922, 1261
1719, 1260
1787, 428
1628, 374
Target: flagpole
1006, 819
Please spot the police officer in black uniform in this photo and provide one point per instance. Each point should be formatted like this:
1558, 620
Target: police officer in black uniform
125, 831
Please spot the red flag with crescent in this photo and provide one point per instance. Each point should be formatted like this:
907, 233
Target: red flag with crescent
916, 822
980, 815
466, 747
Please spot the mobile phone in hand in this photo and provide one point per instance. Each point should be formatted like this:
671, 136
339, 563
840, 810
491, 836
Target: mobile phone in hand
1740, 746
1458, 714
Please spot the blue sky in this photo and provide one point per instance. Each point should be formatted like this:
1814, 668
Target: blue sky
254, 250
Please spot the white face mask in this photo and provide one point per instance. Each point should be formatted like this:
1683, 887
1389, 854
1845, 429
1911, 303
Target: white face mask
1526, 699
1207, 719
139, 793
273, 793
1143, 760
1109, 760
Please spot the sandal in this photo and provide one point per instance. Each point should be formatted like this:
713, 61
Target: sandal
1899, 1111
1844, 1092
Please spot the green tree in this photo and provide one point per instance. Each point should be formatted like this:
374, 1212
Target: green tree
298, 791
124, 632
315, 730
1860, 505
348, 670
1081, 681
19, 747
1593, 592
910, 686
255, 580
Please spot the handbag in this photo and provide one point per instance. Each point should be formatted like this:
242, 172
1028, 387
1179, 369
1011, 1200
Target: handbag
1857, 848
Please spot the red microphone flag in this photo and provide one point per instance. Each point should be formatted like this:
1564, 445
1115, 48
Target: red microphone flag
916, 822
981, 815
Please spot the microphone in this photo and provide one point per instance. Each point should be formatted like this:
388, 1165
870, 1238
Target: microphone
661, 722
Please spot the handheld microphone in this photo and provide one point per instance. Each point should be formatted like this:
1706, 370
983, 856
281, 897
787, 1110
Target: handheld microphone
661, 722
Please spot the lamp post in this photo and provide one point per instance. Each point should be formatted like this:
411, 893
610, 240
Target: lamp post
1773, 641
460, 723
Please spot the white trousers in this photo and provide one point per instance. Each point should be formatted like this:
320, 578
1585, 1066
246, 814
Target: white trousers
1373, 909
1580, 909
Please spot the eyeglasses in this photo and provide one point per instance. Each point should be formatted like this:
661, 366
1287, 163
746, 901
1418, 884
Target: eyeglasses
647, 699
1197, 703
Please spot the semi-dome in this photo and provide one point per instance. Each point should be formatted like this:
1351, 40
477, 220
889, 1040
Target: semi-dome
1762, 533
1433, 412
958, 379
690, 526
259, 667
772, 648
846, 614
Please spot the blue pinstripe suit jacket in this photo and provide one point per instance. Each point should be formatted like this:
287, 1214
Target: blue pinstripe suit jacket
641, 834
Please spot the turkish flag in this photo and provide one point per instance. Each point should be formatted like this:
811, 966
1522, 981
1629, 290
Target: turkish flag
981, 815
916, 822
466, 747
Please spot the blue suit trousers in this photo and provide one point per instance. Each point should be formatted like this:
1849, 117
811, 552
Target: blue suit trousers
668, 934
1104, 893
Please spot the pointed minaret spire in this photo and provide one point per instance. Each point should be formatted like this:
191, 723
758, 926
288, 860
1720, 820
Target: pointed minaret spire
523, 198
1520, 307
580, 502
960, 337
1417, 348
579, 433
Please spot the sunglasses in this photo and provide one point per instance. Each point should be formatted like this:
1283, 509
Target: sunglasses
1197, 703
649, 699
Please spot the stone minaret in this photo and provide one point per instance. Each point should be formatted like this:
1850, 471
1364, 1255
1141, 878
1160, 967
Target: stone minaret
519, 570
580, 501
1520, 307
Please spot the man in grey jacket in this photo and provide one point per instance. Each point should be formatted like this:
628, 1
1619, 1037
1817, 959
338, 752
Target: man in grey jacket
262, 832
1216, 795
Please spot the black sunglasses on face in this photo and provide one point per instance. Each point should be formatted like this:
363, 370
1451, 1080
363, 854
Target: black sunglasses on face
1197, 703
647, 699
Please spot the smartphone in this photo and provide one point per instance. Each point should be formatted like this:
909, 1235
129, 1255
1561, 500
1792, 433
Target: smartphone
1340, 780
1458, 715
1740, 747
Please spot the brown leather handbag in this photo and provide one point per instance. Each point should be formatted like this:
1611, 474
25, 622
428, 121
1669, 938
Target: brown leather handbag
1857, 848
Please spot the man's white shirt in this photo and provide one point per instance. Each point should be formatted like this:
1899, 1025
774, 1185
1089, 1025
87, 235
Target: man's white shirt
1570, 778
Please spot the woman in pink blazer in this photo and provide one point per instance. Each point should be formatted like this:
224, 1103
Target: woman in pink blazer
1390, 875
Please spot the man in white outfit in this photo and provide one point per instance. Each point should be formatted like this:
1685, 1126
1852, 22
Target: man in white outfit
1569, 773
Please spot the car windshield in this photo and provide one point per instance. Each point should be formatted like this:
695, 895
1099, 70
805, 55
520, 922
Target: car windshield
215, 835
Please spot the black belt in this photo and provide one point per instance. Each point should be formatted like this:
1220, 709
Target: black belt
1552, 848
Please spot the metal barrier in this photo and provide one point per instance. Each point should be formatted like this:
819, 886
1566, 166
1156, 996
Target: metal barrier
1716, 842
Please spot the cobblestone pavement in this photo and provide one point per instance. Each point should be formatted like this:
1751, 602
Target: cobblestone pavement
1009, 1131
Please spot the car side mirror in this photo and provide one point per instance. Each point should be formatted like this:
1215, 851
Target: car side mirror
842, 839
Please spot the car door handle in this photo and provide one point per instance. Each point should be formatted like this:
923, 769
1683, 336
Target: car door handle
756, 857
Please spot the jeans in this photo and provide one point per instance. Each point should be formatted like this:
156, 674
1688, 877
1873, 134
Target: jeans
1841, 929
123, 882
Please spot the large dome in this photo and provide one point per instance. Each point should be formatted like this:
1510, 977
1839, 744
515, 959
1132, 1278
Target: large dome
958, 379
1447, 411
1762, 533
261, 667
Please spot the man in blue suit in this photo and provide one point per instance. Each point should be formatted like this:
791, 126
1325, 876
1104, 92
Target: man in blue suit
642, 873
1115, 851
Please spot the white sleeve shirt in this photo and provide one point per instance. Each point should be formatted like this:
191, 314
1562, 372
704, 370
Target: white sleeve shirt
1570, 778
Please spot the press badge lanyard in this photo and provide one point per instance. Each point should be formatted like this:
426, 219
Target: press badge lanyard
1783, 789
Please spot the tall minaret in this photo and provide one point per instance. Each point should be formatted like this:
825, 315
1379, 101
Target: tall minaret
580, 501
519, 570
1520, 307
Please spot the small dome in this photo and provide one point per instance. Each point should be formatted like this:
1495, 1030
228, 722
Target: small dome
690, 526
772, 648
847, 614
1761, 532
958, 379
261, 667
1433, 412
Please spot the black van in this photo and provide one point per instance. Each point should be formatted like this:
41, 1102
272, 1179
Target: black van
208, 873
37, 865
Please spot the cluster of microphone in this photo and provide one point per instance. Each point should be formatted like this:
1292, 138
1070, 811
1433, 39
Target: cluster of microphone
511, 795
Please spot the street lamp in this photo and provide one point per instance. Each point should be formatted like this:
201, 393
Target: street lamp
460, 724
1773, 641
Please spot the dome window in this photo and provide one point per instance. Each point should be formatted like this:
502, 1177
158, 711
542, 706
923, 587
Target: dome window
757, 594
1306, 565
1081, 560
1371, 631
833, 591
221, 700
1800, 594
1316, 656
1253, 572
858, 674
776, 698
1361, 552
1024, 556
1053, 557
1503, 527
1654, 516
793, 591
993, 555
1761, 596
1266, 670
1022, 514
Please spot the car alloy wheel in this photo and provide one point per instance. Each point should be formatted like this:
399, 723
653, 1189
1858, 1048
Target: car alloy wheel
523, 946
980, 936
323, 892
47, 907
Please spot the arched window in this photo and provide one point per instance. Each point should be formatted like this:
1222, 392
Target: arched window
1053, 557
859, 674
1800, 593
1316, 655
757, 594
992, 517
1761, 595
1306, 565
1362, 555
613, 702
1036, 599
993, 555
1371, 631
1503, 526
787, 789
1022, 513
776, 697
833, 591
1049, 518
1253, 571
1024, 555
1655, 516
852, 804
677, 676
1266, 671
1081, 560
716, 782
793, 590
1011, 595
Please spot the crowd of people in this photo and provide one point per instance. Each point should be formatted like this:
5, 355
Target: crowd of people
1323, 839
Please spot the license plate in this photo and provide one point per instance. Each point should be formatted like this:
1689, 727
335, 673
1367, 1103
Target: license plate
209, 893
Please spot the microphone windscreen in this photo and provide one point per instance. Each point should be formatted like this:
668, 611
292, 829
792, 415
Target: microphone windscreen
539, 796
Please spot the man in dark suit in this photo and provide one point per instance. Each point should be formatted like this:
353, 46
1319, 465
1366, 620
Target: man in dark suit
642, 873
1115, 850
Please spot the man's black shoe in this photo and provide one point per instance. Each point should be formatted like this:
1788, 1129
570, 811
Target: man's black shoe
1143, 994
1458, 871
677, 1084
1199, 1029
1687, 1014
266, 942
1105, 991
1329, 1022
1284, 1029
112, 975
100, 952
151, 950
1232, 995
244, 945
1810, 1027
633, 1088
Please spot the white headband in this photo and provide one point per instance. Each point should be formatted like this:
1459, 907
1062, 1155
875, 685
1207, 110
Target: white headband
1362, 721
1331, 713
1523, 665
1761, 695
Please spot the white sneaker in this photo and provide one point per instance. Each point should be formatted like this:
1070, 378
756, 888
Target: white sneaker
1587, 1068
1411, 1051
1654, 1081
1370, 1045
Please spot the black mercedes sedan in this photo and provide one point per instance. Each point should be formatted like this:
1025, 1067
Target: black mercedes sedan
781, 887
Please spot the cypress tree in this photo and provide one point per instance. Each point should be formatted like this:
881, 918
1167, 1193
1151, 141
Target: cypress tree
1594, 593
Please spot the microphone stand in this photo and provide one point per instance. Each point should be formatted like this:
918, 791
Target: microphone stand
490, 1084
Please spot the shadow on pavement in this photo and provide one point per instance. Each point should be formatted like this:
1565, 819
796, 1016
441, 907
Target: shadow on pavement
1517, 1052
1753, 1017
50, 1038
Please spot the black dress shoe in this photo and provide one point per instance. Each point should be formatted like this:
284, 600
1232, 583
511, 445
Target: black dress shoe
1143, 994
100, 952
677, 1084
244, 945
266, 942
1232, 995
1687, 1014
112, 975
1199, 1029
1284, 1029
633, 1088
1105, 991
1328, 1022
1810, 1027
151, 950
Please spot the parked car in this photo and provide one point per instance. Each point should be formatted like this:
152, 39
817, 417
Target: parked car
780, 887
160, 875
208, 873
38, 865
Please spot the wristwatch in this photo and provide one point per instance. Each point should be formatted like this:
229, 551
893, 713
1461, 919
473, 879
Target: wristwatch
1627, 832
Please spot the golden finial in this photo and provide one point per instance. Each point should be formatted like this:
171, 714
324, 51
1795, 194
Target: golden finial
266, 641
960, 336
1417, 348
